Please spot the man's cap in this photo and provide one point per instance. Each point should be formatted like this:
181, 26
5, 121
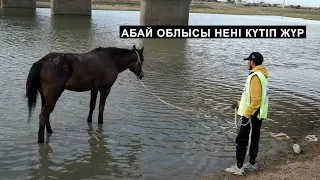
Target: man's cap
256, 57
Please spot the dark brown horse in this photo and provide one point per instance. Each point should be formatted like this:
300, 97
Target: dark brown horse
94, 71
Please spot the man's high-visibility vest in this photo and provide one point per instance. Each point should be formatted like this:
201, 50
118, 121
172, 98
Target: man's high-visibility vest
245, 98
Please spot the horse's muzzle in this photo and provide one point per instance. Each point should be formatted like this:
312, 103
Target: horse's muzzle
141, 75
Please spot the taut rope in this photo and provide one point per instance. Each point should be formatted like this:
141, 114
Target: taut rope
186, 110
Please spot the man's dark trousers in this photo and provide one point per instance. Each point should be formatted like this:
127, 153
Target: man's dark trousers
242, 140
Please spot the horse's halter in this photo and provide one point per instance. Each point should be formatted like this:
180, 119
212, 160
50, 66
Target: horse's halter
139, 62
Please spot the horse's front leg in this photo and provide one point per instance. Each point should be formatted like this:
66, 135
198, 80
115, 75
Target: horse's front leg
103, 96
93, 99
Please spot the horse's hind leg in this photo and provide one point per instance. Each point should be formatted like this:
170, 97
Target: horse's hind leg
93, 99
103, 96
48, 126
49, 104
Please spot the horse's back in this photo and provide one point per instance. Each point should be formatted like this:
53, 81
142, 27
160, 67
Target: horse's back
84, 72
58, 62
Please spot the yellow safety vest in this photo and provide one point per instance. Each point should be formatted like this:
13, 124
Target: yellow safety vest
245, 98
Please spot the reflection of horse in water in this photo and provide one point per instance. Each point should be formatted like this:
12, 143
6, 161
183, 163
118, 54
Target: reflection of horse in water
98, 162
93, 71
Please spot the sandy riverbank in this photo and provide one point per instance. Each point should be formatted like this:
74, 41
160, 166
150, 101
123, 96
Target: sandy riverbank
285, 165
205, 7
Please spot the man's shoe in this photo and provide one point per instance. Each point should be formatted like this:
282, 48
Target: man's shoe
235, 170
239, 171
249, 167
232, 169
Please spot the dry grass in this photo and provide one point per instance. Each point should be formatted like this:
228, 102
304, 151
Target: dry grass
222, 8
209, 7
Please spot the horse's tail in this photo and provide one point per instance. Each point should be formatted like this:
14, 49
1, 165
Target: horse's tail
33, 85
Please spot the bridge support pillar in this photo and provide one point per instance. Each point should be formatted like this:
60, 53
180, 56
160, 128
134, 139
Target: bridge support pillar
164, 12
74, 7
18, 4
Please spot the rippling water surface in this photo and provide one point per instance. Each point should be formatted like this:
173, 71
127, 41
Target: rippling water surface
142, 137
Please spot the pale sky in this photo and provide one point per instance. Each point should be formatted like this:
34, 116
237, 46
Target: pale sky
313, 3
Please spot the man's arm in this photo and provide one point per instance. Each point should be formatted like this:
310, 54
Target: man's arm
256, 93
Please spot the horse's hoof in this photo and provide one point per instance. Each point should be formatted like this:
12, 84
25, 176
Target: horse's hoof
40, 141
49, 131
100, 122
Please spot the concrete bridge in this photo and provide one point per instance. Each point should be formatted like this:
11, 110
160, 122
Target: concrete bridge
153, 12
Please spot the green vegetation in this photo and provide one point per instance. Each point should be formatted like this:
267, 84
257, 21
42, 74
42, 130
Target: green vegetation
210, 7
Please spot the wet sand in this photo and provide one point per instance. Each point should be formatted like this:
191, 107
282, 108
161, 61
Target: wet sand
285, 165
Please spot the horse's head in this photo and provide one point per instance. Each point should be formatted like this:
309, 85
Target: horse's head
137, 68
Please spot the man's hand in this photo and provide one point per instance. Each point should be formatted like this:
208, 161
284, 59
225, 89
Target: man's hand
234, 105
244, 118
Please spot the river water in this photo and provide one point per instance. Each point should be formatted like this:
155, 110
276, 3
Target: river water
142, 137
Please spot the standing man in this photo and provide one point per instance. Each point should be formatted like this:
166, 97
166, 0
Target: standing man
253, 108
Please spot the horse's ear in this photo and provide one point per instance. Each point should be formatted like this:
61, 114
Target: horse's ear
134, 47
142, 49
